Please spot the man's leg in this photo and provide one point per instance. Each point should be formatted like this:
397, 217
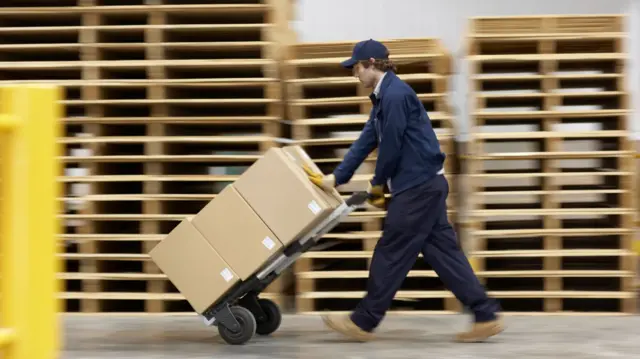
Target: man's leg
442, 252
406, 226
394, 256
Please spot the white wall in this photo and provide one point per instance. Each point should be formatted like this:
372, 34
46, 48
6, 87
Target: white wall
331, 20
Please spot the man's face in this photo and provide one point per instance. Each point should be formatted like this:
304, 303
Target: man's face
366, 76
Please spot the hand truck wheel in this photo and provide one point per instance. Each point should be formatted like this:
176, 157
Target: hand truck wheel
247, 327
273, 317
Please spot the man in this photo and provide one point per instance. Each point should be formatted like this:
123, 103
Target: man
410, 163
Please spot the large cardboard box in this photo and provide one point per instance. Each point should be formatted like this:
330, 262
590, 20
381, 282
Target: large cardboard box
236, 232
193, 266
279, 191
300, 157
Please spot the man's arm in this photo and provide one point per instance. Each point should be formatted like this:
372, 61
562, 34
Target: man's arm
358, 152
396, 112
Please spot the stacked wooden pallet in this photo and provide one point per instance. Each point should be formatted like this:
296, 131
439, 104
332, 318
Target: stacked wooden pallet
45, 46
552, 164
636, 239
167, 102
327, 108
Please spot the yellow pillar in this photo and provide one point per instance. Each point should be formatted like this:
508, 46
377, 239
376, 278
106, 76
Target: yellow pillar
28, 222
6, 337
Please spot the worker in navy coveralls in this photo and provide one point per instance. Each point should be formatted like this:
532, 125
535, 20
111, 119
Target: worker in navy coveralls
410, 163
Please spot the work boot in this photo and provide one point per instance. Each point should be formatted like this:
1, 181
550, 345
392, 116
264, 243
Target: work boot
344, 325
481, 331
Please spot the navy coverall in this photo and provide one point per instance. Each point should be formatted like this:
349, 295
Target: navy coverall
410, 163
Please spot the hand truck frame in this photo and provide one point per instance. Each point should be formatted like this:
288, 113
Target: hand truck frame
240, 313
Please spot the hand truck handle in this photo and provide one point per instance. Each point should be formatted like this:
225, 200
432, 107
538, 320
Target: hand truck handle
357, 198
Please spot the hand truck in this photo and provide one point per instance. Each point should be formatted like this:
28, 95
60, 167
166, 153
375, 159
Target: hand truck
240, 314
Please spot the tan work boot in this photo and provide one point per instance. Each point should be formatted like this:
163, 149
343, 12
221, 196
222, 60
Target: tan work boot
344, 325
481, 331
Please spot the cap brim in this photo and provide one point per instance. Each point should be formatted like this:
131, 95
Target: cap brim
349, 63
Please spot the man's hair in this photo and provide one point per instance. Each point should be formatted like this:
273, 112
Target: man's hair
382, 65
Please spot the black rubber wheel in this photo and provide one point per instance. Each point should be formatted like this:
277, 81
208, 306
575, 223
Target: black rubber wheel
273, 317
247, 327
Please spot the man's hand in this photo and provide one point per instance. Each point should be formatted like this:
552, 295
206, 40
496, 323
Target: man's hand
376, 196
325, 182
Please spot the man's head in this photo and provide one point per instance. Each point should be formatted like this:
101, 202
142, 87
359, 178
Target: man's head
369, 60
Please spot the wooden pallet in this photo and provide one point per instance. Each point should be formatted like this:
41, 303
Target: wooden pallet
167, 102
551, 163
636, 238
327, 108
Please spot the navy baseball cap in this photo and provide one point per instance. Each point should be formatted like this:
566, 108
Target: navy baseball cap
364, 50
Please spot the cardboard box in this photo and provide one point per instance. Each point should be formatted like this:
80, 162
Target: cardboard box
298, 155
193, 266
236, 232
279, 191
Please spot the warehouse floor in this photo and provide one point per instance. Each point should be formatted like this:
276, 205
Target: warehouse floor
400, 337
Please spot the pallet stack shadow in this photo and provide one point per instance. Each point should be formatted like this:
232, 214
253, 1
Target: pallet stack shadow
167, 102
552, 164
327, 108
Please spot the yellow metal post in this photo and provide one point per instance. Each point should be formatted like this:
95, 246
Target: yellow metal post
7, 123
28, 220
6, 337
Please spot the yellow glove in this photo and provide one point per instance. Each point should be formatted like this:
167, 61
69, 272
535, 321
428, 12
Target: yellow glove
324, 182
376, 194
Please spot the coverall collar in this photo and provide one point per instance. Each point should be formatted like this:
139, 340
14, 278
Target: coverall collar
378, 91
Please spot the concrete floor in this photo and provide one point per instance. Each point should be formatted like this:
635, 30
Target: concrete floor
305, 337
